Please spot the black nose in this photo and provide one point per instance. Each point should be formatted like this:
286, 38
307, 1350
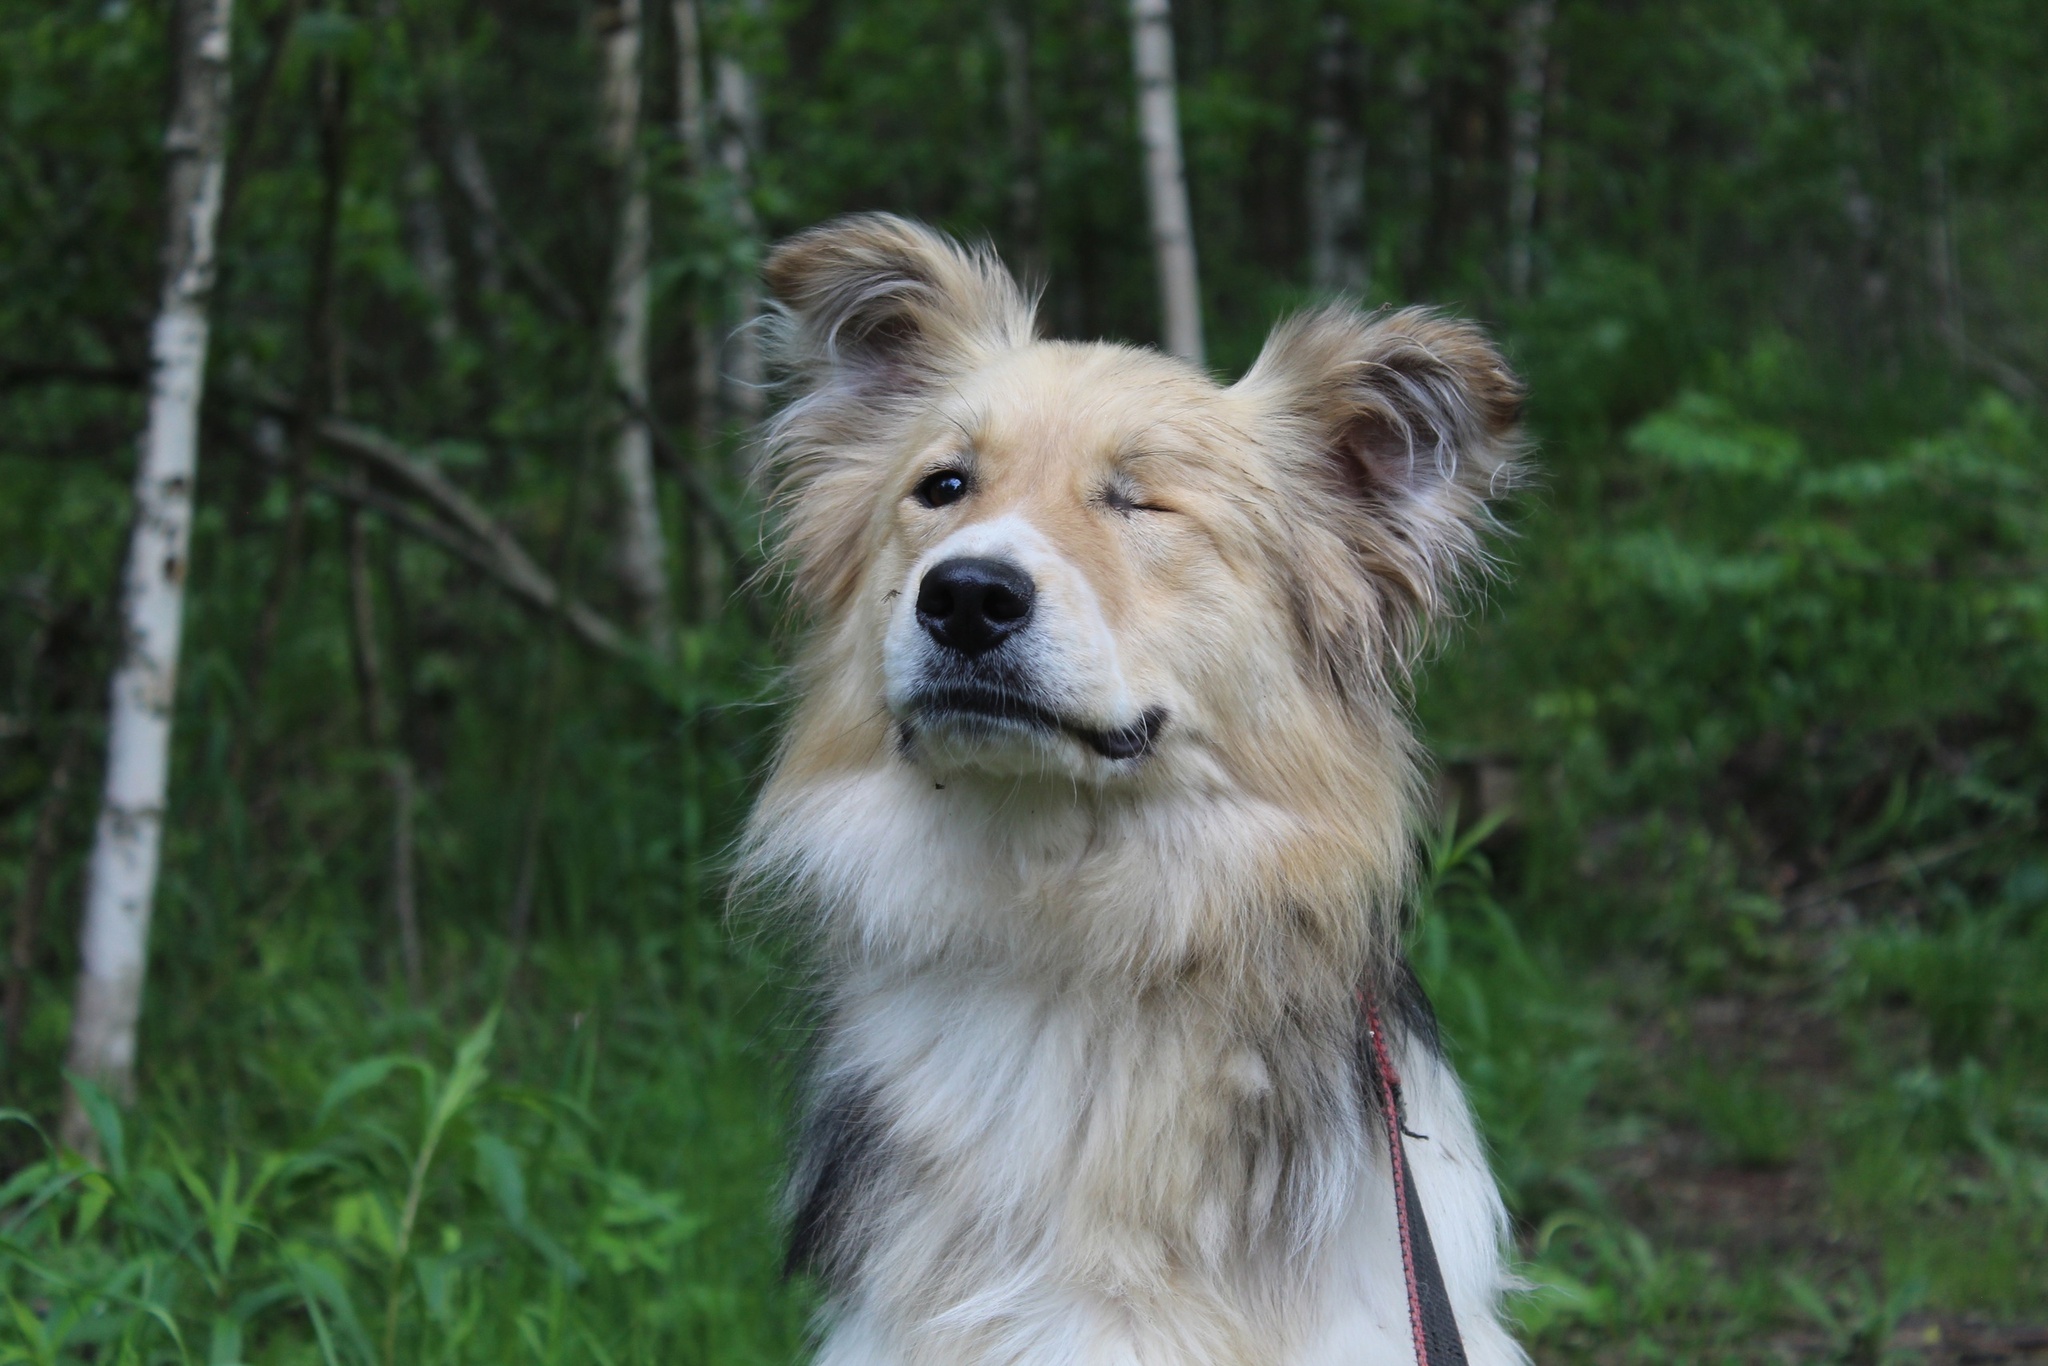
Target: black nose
971, 605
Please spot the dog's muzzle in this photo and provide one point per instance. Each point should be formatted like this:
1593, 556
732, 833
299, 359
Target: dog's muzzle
971, 608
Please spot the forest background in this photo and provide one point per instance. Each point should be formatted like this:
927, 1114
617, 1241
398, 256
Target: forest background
1738, 911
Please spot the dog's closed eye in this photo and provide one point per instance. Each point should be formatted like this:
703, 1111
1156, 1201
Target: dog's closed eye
1121, 497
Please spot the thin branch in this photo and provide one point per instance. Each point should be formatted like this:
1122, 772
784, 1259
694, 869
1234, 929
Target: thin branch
28, 374
1897, 867
522, 579
243, 146
401, 466
488, 548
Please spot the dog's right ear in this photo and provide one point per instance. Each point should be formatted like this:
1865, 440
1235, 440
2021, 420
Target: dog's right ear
874, 312
886, 305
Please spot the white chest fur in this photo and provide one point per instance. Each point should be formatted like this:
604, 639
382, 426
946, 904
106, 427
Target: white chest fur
1077, 1176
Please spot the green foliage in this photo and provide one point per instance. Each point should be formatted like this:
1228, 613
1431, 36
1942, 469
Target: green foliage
413, 1212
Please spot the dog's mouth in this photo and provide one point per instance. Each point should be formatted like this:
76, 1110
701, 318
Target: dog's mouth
990, 705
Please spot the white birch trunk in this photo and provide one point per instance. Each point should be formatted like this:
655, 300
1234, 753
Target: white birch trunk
642, 550
1336, 167
739, 124
473, 177
426, 234
1531, 56
691, 133
1166, 185
120, 888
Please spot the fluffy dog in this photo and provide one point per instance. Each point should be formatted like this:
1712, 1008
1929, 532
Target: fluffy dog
1096, 802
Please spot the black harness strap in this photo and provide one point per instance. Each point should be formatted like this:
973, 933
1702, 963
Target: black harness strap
1430, 1319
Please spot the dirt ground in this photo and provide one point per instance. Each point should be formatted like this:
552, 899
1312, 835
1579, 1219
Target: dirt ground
1680, 1189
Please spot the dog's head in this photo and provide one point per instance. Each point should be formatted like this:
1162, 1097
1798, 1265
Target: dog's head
1091, 561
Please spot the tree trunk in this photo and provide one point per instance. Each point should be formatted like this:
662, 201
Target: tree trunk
698, 576
642, 552
473, 179
739, 134
1944, 275
689, 35
383, 737
1336, 166
1867, 323
1416, 152
121, 875
1166, 185
1530, 58
696, 144
426, 238
1020, 118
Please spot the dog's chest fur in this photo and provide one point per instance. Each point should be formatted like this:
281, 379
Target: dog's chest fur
995, 1173
1018, 1153
984, 1149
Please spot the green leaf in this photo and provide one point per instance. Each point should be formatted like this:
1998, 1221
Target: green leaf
32, 1333
498, 1171
10, 1115
320, 1286
105, 1117
92, 1203
362, 1076
468, 1074
225, 1348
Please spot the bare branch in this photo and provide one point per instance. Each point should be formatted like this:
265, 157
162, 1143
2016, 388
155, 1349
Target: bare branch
1898, 867
494, 550
29, 374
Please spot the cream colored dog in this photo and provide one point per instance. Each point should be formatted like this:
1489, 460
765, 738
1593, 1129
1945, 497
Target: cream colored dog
1096, 801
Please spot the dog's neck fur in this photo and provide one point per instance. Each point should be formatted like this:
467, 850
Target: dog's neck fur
1259, 859
1219, 889
1141, 1000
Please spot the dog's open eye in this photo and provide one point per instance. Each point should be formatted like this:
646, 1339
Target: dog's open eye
941, 487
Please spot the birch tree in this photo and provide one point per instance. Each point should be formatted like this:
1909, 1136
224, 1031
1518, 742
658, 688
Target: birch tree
1530, 58
1944, 273
1336, 166
739, 134
696, 144
1166, 185
642, 551
120, 888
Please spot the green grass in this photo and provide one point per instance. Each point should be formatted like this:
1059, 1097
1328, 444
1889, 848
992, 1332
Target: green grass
586, 1176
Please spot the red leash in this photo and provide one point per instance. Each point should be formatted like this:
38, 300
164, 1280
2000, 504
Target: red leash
1430, 1320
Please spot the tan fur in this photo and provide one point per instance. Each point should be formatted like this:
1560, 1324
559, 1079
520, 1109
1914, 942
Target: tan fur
1097, 1012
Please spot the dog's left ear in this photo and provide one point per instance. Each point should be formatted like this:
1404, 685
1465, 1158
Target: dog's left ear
1401, 428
